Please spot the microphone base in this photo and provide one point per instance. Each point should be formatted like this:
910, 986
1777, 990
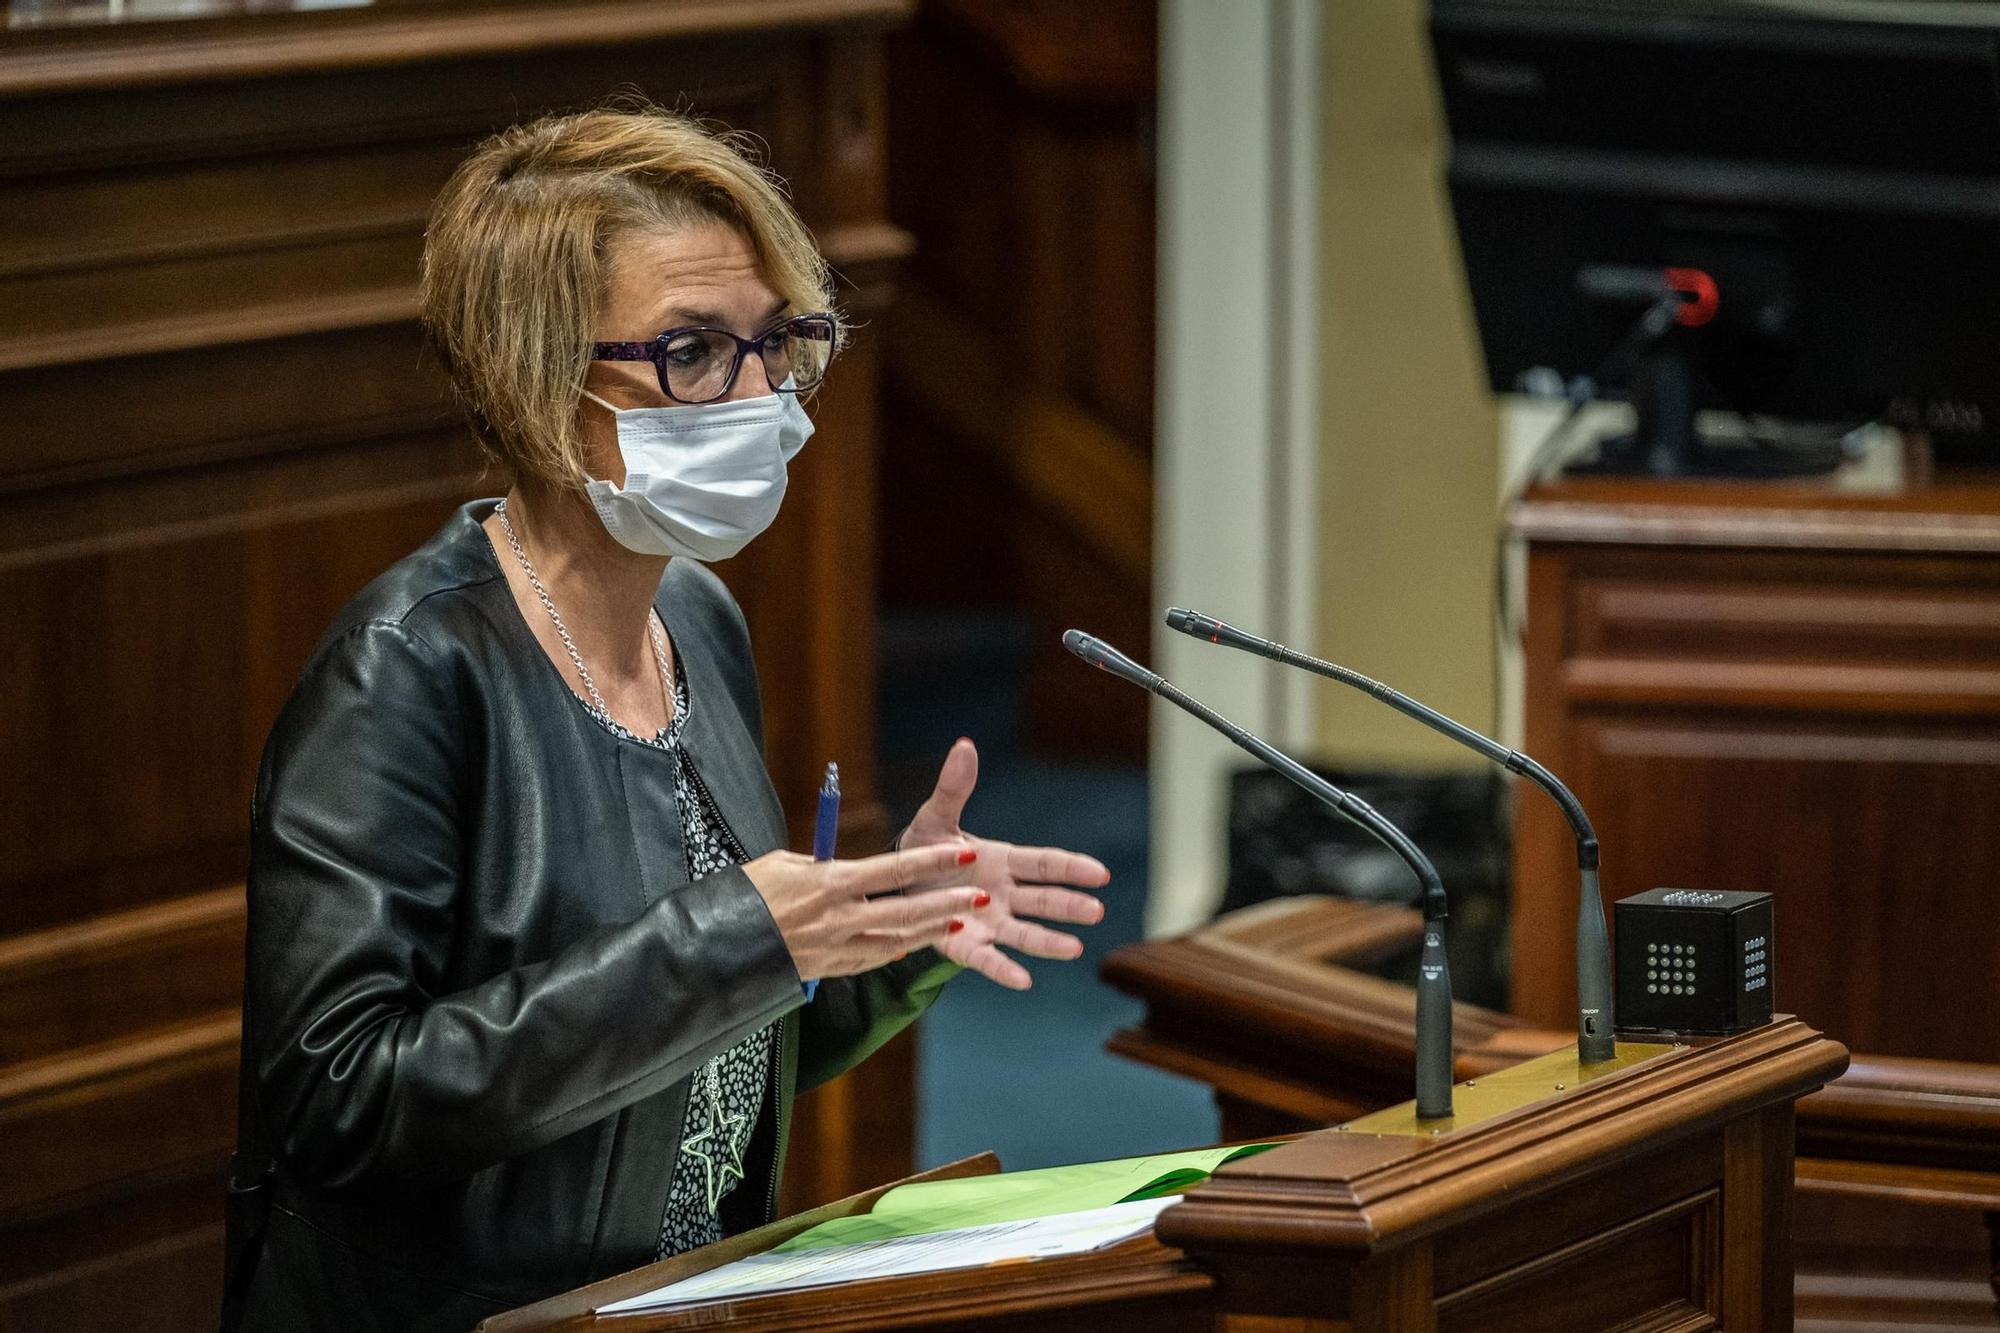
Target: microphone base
1597, 1050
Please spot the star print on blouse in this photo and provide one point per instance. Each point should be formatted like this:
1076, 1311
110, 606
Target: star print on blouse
717, 1173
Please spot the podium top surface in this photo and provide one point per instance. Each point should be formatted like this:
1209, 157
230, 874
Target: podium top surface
1350, 1189
1478, 1100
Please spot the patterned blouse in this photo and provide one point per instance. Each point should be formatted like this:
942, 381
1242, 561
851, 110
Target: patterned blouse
744, 1069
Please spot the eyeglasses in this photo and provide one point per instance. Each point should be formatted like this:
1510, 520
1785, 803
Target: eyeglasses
699, 364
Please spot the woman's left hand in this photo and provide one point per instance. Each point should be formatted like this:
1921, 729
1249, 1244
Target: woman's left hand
1022, 882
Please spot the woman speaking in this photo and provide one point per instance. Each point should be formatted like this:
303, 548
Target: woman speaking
528, 964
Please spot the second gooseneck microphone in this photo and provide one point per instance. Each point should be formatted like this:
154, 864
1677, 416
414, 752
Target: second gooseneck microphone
1595, 1021
1433, 976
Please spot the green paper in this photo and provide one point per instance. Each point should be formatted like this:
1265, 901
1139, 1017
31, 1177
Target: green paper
941, 1205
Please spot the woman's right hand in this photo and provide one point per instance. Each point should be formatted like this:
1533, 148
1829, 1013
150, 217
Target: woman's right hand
840, 918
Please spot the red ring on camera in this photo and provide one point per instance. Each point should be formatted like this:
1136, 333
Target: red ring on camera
1703, 298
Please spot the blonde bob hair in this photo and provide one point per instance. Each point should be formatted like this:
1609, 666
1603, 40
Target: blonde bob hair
516, 260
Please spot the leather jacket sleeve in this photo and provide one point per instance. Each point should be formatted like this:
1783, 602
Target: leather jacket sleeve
370, 1065
852, 1017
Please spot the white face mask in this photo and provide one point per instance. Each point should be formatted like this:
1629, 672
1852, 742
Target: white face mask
700, 481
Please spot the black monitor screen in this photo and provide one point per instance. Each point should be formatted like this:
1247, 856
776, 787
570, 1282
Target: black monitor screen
1834, 168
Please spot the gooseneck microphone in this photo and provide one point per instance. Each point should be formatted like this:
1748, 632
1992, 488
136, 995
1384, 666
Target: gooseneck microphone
1595, 1019
1433, 976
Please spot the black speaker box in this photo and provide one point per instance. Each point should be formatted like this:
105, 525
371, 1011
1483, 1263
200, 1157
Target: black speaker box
1693, 961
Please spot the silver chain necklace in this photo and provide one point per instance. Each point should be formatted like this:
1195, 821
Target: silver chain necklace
562, 631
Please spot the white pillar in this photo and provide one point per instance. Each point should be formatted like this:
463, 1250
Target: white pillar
1237, 443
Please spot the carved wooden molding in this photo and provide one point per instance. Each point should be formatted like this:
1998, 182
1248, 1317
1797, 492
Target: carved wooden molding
1943, 520
85, 1120
137, 55
332, 313
1272, 977
1363, 1193
106, 977
1756, 686
328, 480
103, 1021
1937, 1114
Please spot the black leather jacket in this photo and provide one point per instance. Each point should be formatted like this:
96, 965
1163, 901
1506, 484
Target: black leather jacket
477, 976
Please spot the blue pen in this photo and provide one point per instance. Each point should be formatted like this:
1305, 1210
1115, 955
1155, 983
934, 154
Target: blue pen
829, 815
824, 829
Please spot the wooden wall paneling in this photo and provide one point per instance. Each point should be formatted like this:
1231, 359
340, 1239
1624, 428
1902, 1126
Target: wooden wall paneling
158, 668
1757, 1188
119, 1078
1049, 196
1691, 1173
75, 986
121, 514
1788, 693
1023, 351
431, 94
1653, 1269
1873, 921
1403, 1285
1060, 50
1069, 464
1542, 978
218, 424
79, 1123
341, 379
1120, 264
141, 1260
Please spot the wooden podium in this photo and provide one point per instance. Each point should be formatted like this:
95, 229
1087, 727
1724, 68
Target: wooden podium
1653, 1191
1896, 1160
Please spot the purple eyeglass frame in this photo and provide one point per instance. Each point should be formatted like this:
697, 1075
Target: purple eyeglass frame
655, 350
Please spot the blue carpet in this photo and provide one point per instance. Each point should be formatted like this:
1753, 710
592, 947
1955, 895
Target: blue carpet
1025, 1074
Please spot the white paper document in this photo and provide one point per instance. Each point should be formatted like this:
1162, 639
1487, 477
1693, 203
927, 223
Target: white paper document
967, 1247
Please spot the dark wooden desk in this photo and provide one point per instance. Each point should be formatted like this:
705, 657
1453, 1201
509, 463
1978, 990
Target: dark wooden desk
216, 424
1784, 688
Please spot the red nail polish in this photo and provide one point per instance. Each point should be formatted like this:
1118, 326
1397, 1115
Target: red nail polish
955, 926
982, 900
967, 857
